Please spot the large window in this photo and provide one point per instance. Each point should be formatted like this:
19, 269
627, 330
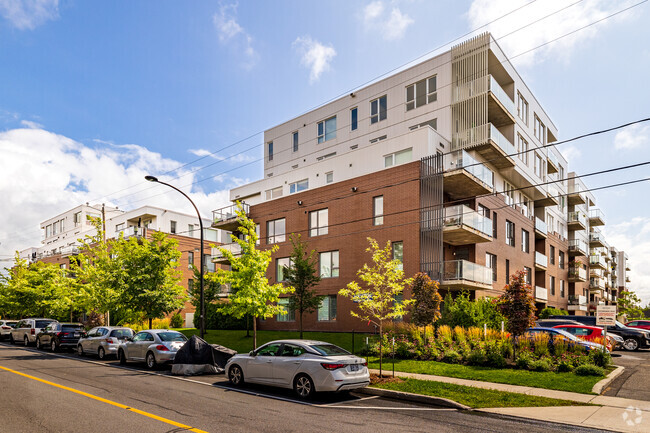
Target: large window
525, 241
327, 309
540, 130
510, 233
421, 93
208, 263
289, 315
318, 222
398, 253
274, 193
172, 227
275, 231
270, 147
295, 141
491, 262
298, 186
327, 129
522, 108
522, 149
354, 119
539, 166
77, 219
378, 210
398, 158
329, 264
378, 109
282, 263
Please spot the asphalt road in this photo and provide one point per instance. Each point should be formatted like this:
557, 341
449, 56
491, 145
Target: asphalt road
633, 382
43, 392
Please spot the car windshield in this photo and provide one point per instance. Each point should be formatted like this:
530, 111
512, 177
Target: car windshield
329, 350
42, 323
172, 336
11, 324
122, 333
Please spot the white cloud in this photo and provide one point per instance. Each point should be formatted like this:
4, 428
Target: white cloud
570, 152
31, 125
236, 158
231, 33
29, 14
632, 137
533, 35
43, 174
391, 25
314, 56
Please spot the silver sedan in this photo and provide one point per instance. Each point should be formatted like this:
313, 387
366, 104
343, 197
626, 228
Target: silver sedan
153, 346
304, 365
103, 341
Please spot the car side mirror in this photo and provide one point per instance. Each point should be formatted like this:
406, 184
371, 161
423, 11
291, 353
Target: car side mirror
251, 353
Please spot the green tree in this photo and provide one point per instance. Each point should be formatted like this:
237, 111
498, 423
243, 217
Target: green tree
251, 292
517, 304
550, 311
383, 283
426, 305
302, 275
629, 305
146, 278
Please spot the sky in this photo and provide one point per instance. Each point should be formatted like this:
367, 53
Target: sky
95, 95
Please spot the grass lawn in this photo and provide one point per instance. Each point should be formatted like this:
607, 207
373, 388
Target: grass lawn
549, 380
238, 341
473, 397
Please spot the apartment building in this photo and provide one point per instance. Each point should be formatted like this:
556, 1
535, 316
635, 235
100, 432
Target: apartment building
61, 235
446, 160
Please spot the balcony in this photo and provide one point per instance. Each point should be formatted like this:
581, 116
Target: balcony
501, 109
463, 226
596, 239
128, 232
540, 229
553, 165
577, 274
597, 261
224, 290
596, 283
552, 197
541, 261
489, 142
577, 247
70, 251
596, 218
219, 257
577, 221
461, 274
594, 272
627, 279
466, 177
577, 303
576, 195
226, 218
541, 294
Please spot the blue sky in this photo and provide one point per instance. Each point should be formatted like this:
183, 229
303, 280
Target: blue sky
93, 95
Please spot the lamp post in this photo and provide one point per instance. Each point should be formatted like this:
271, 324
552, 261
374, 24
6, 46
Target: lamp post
201, 305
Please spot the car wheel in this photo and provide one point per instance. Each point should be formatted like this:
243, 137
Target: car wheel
151, 360
11, 339
26, 341
235, 375
80, 350
101, 354
38, 344
304, 386
631, 344
121, 357
53, 346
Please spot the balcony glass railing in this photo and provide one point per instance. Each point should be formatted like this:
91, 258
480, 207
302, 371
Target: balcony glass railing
577, 217
234, 248
540, 225
541, 259
596, 236
456, 270
130, 231
577, 300
596, 283
462, 215
552, 192
596, 260
596, 214
501, 141
552, 158
461, 159
578, 245
228, 213
501, 95
594, 272
577, 272
541, 293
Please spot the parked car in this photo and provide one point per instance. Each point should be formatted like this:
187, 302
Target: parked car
58, 335
153, 346
640, 324
304, 365
555, 334
5, 328
103, 341
589, 333
26, 330
552, 323
634, 339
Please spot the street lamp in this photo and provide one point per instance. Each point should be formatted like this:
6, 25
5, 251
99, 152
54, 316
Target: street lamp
201, 309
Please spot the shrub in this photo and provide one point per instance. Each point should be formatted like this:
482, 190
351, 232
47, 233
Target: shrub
176, 321
452, 357
494, 354
564, 366
540, 343
477, 357
464, 312
550, 311
460, 334
589, 370
542, 364
445, 334
601, 358
216, 320
524, 359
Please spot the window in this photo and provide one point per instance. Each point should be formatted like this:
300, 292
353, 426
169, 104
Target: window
561, 260
190, 259
275, 231
421, 93
491, 262
190, 230
507, 271
529, 277
329, 177
270, 146
540, 130
119, 227
510, 233
522, 149
190, 285
378, 210
327, 309
172, 227
539, 166
48, 231
494, 225
298, 186
398, 253
77, 219
522, 108
280, 265
398, 158
483, 211
354, 118
208, 263
318, 222
562, 289
551, 253
274, 193
295, 141
378, 110
525, 241
327, 129
509, 192
550, 222
329, 264
552, 284
289, 315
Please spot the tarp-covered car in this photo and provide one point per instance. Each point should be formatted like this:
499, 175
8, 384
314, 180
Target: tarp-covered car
197, 356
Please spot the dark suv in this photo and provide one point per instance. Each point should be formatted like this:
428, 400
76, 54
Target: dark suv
633, 339
59, 335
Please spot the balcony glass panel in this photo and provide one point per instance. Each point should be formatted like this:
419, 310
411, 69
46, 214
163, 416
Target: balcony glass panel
455, 270
577, 300
228, 212
552, 158
540, 225
502, 96
579, 217
596, 236
461, 159
596, 213
596, 259
464, 215
577, 245
576, 271
234, 248
541, 293
541, 259
501, 141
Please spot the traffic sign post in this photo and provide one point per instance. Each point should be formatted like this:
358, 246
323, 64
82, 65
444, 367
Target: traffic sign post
605, 316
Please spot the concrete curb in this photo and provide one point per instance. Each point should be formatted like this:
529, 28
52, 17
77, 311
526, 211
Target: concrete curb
599, 386
417, 398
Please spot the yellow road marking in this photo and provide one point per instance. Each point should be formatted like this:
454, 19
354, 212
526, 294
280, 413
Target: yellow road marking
103, 400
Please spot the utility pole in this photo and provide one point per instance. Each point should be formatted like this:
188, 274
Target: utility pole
107, 315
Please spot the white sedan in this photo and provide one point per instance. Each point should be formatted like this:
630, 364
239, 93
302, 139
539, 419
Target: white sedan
304, 365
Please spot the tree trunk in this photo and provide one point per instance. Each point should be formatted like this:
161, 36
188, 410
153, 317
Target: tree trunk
150, 320
254, 332
381, 340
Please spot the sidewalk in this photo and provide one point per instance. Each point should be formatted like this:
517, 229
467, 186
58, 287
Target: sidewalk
617, 414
